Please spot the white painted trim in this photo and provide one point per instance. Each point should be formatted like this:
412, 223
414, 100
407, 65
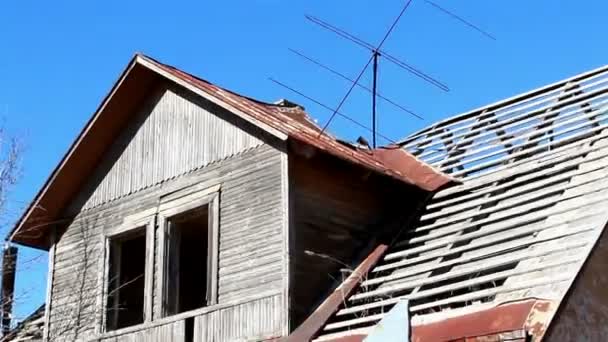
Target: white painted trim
146, 63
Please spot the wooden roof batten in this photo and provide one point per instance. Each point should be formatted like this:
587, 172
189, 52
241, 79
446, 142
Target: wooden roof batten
470, 143
130, 89
520, 227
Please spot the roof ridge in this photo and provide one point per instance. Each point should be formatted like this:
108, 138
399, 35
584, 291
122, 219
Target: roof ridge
198, 78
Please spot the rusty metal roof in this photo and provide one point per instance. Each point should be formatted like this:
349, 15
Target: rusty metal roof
131, 88
297, 124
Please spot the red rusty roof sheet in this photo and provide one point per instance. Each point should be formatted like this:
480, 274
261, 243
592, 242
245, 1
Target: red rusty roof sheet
517, 320
141, 74
295, 123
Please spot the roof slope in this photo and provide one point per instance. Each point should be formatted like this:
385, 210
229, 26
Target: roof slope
28, 330
531, 207
296, 124
142, 72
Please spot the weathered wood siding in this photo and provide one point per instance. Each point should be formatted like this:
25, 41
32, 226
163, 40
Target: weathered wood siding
174, 331
259, 319
337, 210
520, 232
252, 321
583, 315
172, 134
251, 256
252, 215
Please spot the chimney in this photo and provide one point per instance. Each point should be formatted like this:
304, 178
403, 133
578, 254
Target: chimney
9, 266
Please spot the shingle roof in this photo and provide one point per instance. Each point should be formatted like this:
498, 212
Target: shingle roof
531, 207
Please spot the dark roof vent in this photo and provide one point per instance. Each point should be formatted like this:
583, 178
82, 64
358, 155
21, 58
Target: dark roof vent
288, 104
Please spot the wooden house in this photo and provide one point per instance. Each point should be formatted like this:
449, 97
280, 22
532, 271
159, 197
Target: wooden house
186, 212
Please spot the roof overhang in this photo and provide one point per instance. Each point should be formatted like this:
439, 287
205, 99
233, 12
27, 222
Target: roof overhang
82, 156
115, 111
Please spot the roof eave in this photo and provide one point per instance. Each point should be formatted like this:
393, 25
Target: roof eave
12, 236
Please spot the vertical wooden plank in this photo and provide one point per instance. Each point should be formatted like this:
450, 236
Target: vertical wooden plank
149, 272
160, 266
287, 201
105, 281
213, 249
49, 285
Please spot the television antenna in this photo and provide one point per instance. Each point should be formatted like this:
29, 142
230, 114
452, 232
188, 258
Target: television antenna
376, 53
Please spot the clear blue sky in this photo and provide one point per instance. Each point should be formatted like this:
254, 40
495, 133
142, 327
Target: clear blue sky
58, 59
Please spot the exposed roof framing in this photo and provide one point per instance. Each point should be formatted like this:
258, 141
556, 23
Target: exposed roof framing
486, 139
531, 207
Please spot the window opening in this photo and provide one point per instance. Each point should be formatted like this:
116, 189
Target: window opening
126, 281
188, 277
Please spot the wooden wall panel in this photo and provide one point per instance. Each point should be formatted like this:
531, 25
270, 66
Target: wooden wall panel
584, 312
251, 239
337, 212
174, 331
257, 320
172, 134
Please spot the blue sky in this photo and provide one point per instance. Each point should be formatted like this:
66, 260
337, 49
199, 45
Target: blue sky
58, 59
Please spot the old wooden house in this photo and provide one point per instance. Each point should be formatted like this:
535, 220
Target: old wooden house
186, 212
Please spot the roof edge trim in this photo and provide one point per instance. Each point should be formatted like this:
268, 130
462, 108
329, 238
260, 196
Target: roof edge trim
70, 152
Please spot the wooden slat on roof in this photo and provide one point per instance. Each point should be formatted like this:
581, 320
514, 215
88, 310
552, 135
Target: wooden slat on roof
529, 211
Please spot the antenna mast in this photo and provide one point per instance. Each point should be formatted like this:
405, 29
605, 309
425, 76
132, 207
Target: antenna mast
374, 86
374, 59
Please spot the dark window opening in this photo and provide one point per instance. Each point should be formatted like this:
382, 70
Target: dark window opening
187, 280
125, 306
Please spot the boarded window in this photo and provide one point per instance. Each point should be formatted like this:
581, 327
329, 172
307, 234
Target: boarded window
188, 278
127, 262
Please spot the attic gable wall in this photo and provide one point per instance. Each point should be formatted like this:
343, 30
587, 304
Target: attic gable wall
173, 133
178, 142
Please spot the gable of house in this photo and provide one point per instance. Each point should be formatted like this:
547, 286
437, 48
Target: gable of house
177, 153
173, 132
